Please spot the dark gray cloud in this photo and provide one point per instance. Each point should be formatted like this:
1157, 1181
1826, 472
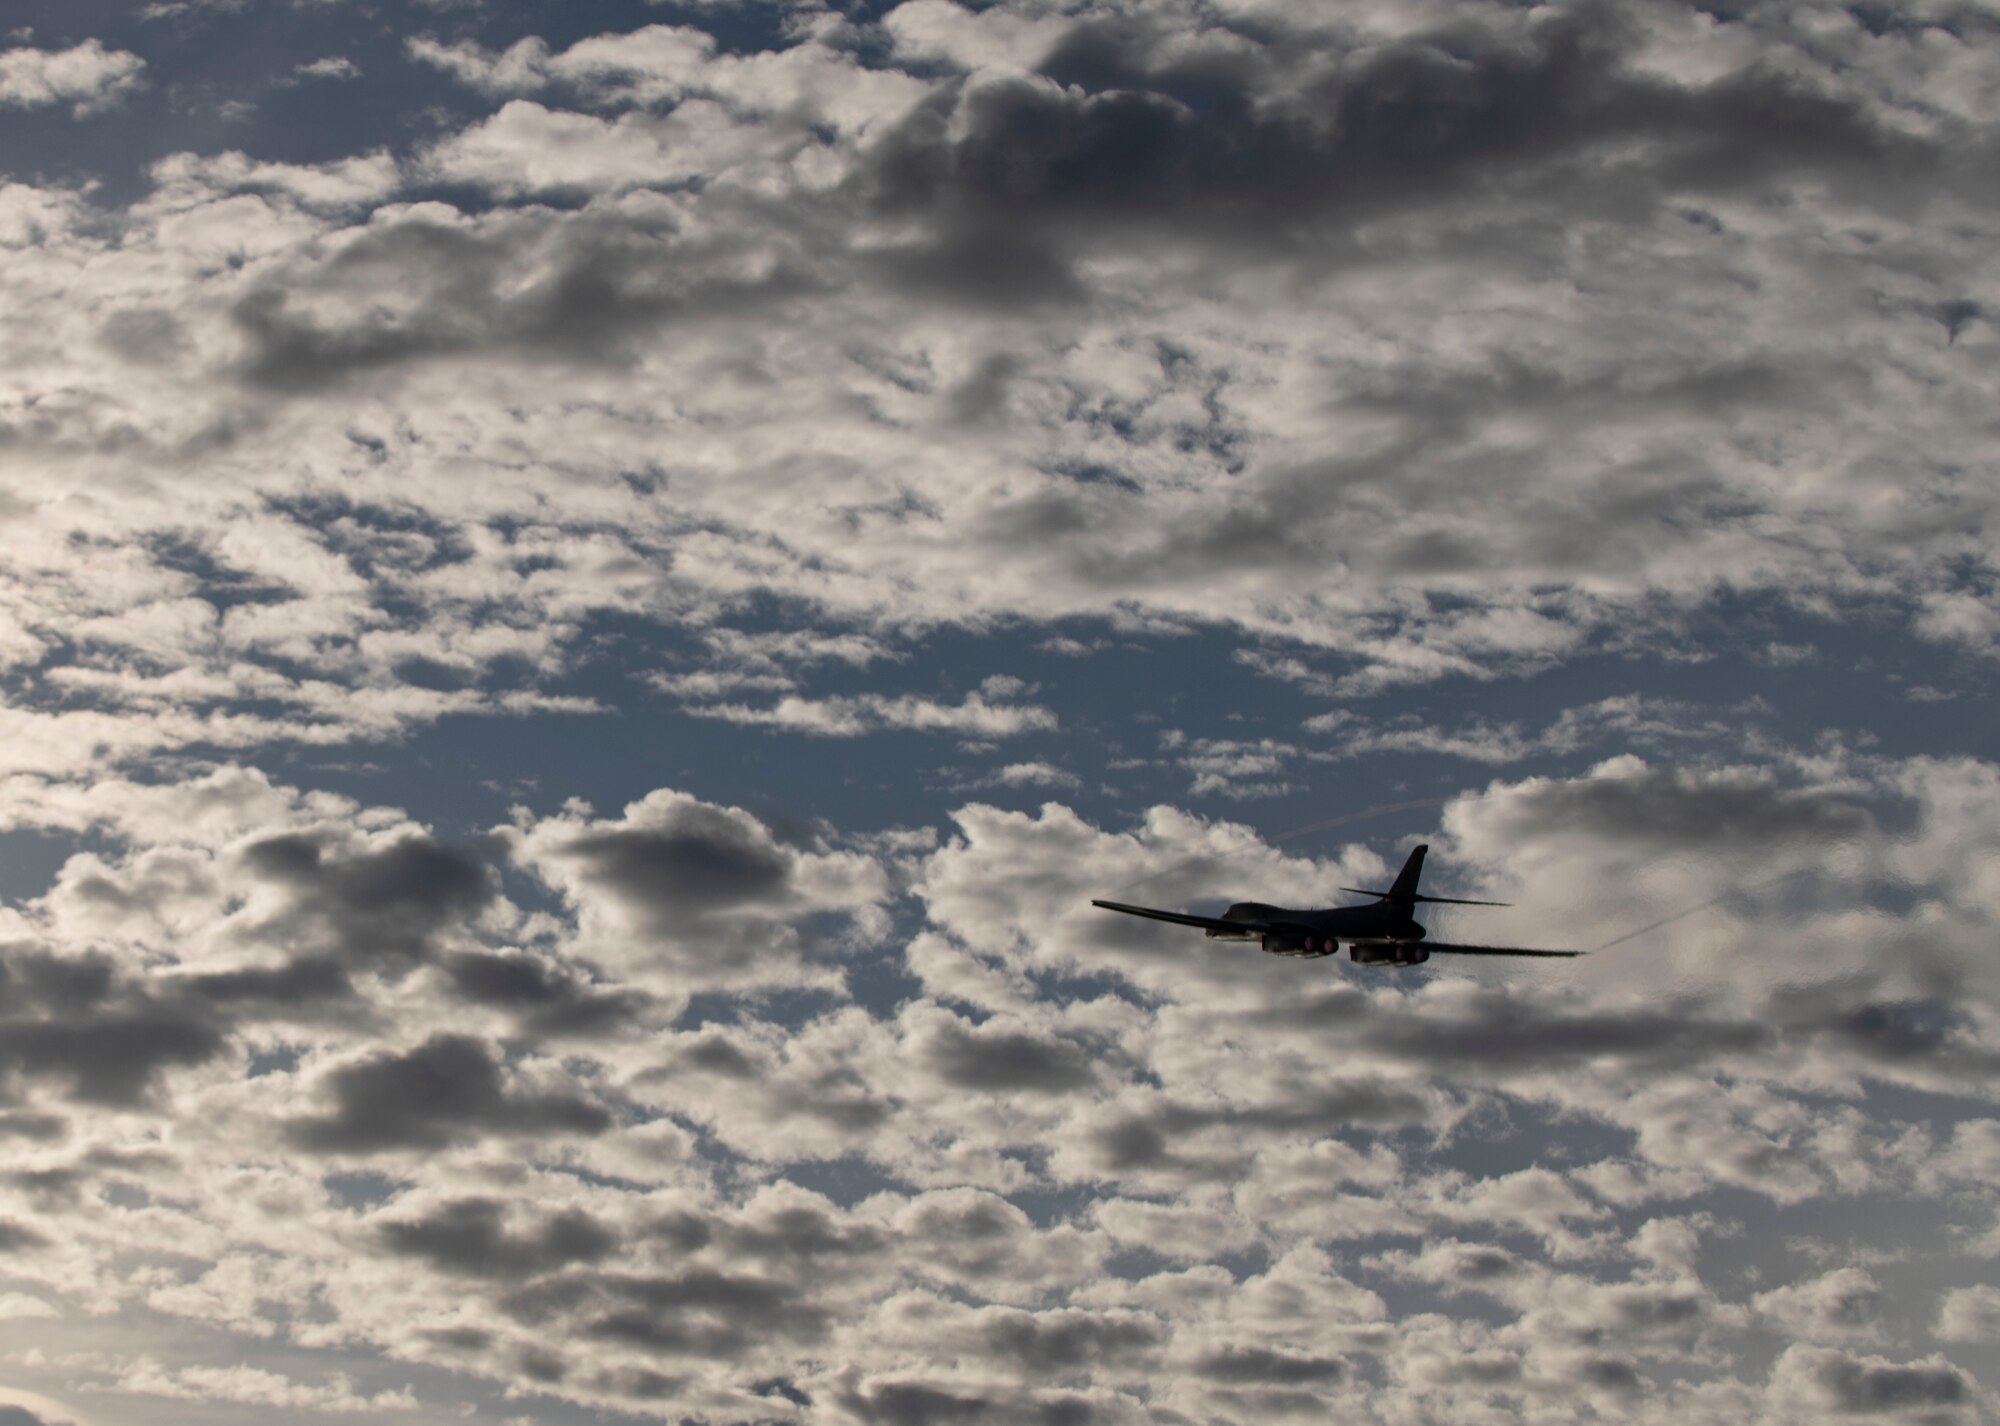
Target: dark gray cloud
704, 860
376, 906
798, 1233
1321, 1108
54, 983
145, 334
1523, 1031
470, 1236
548, 1001
1509, 1031
1131, 1142
795, 1235
633, 1383
304, 988
1643, 1311
33, 1128
1263, 142
572, 288
910, 1403
76, 1020
1002, 1061
680, 895
14, 1237
1476, 1264
842, 1099
969, 1235
1611, 1374
1162, 1136
1157, 1137
1663, 810
714, 1054
982, 396
460, 1339
1934, 1390
539, 1364
1262, 1366
447, 1089
51, 1185
1128, 1144
1061, 1343
980, 268
699, 1313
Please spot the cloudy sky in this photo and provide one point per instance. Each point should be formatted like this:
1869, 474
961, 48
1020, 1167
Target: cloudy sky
588, 591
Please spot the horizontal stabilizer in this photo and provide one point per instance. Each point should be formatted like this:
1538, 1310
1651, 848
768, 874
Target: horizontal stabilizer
1442, 900
1451, 950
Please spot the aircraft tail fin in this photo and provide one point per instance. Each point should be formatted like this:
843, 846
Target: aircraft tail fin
1404, 887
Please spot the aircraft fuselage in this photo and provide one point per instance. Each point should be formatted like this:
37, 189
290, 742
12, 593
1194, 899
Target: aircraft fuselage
1384, 933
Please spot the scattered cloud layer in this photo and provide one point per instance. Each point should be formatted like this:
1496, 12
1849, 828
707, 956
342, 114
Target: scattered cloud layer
1089, 377
1095, 426
619, 1208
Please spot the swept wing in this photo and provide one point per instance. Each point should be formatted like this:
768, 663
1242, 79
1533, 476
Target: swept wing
1181, 918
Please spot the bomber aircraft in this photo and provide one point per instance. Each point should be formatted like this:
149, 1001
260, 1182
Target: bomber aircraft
1382, 934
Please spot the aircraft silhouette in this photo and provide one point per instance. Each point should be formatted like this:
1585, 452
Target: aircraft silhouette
1385, 933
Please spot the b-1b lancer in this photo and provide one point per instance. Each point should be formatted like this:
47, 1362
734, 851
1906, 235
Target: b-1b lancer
1382, 934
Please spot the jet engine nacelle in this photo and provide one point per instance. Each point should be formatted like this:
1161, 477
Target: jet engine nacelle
1305, 945
1393, 954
